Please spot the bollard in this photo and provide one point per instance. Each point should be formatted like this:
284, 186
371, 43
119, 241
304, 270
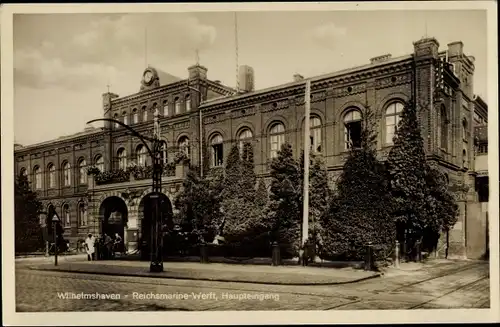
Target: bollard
369, 257
276, 259
203, 253
396, 252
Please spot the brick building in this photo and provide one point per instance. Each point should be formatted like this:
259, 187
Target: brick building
198, 108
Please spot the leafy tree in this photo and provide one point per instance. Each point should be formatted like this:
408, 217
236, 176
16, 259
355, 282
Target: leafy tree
285, 210
359, 211
28, 234
407, 168
261, 196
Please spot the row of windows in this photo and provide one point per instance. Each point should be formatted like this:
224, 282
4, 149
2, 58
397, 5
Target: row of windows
66, 216
135, 113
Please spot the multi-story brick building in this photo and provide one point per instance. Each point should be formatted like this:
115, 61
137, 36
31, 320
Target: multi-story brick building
198, 108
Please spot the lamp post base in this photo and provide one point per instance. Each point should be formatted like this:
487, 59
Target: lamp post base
156, 267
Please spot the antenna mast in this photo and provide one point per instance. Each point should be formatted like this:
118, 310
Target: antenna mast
236, 49
145, 46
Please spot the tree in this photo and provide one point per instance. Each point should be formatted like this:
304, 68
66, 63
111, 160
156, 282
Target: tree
261, 196
28, 234
199, 205
359, 211
407, 169
285, 210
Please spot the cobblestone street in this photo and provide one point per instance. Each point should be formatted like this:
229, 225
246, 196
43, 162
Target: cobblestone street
462, 285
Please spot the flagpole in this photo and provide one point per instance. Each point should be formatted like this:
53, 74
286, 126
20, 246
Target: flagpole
307, 147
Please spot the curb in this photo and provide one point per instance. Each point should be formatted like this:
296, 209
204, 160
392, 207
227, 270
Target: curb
223, 280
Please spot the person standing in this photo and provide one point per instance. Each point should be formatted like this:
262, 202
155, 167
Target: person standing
118, 244
90, 247
108, 244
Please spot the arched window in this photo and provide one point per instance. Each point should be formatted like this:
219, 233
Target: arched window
23, 172
122, 159
465, 126
141, 155
67, 174
315, 136
82, 168
165, 107
392, 118
116, 118
66, 215
245, 135
136, 116
188, 102
184, 145
52, 176
144, 114
352, 129
217, 148
125, 118
82, 215
465, 159
99, 163
443, 128
37, 172
164, 157
177, 105
277, 138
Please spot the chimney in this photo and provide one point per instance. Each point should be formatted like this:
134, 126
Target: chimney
197, 71
455, 49
376, 60
427, 47
297, 77
246, 79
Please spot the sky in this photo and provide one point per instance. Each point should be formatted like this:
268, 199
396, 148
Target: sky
64, 62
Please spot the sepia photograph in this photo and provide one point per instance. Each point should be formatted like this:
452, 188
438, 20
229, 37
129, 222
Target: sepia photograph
253, 160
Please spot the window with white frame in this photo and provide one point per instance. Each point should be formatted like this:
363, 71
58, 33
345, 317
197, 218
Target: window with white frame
116, 118
99, 163
177, 105
144, 114
67, 174
165, 107
315, 134
188, 102
184, 145
23, 172
276, 138
245, 135
125, 118
122, 159
352, 129
52, 176
66, 215
136, 116
82, 167
392, 118
217, 148
164, 152
141, 155
37, 172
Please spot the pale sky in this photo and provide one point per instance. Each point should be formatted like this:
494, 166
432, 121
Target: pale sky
63, 62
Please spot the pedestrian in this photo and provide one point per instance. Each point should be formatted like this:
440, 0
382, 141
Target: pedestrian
108, 244
118, 243
90, 247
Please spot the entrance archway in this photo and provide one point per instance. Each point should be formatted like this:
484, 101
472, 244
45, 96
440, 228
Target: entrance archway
114, 216
146, 212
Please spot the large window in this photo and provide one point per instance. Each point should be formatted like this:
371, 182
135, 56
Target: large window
82, 215
165, 107
52, 176
116, 118
82, 168
352, 129
66, 215
99, 163
217, 148
443, 128
164, 157
122, 159
141, 155
276, 138
392, 118
245, 135
23, 172
67, 174
465, 131
177, 105
37, 172
125, 118
184, 145
188, 102
135, 114
315, 136
144, 114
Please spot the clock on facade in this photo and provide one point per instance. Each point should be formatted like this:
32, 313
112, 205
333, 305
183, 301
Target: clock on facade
148, 77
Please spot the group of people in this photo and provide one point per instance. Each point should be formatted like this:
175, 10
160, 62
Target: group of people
105, 247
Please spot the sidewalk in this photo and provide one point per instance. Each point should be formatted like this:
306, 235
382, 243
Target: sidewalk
257, 274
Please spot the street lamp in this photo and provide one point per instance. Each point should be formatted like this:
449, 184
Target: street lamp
55, 220
156, 264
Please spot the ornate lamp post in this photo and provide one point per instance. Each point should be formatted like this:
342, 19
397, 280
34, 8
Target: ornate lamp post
55, 220
155, 150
